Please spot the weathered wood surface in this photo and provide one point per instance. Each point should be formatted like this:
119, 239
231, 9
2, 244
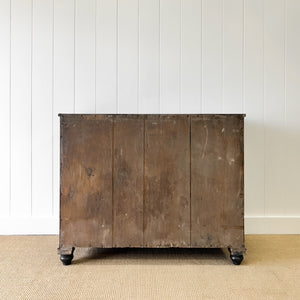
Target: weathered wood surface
86, 181
128, 181
217, 161
152, 181
167, 181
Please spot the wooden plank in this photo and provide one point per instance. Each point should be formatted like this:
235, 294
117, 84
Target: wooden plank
149, 56
106, 56
63, 79
128, 181
21, 34
232, 220
42, 67
85, 101
5, 107
86, 181
170, 57
216, 181
167, 181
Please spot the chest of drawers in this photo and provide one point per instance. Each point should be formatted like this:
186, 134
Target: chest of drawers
151, 181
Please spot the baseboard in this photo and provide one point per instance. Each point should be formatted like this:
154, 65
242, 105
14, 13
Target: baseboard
50, 225
28, 225
272, 225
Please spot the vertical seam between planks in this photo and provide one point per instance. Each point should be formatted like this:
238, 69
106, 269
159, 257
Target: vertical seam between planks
52, 111
31, 89
190, 119
10, 148
112, 180
144, 160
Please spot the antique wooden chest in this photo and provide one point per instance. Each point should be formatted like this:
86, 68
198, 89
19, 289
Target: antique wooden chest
152, 181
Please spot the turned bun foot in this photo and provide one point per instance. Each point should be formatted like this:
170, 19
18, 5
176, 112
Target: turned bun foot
66, 259
236, 257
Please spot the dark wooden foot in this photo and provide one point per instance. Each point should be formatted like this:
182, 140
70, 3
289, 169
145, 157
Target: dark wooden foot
66, 259
236, 257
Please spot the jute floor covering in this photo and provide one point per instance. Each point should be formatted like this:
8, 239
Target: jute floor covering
30, 269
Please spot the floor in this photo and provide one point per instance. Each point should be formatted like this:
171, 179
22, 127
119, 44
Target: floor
30, 269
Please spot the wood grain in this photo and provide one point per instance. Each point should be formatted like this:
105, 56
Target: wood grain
217, 192
167, 181
128, 181
86, 181
152, 181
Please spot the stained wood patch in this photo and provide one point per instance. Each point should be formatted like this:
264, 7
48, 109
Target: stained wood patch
86, 182
167, 181
128, 171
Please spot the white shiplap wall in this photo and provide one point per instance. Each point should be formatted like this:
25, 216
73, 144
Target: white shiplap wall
148, 56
